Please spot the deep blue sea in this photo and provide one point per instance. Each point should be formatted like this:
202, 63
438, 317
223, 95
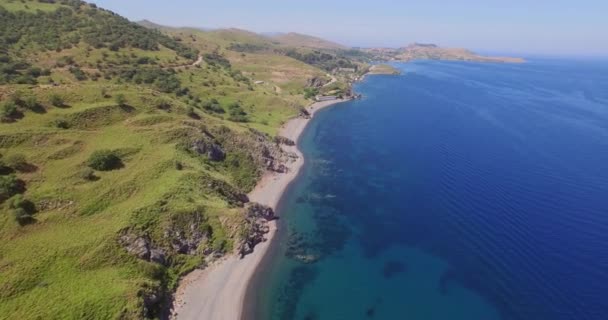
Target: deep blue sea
453, 191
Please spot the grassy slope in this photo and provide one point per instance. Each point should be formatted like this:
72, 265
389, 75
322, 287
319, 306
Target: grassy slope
69, 264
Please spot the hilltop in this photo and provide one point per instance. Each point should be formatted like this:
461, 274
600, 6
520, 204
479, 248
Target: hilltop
417, 51
127, 151
302, 40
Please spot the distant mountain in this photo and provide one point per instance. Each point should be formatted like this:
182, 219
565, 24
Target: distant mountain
302, 40
418, 51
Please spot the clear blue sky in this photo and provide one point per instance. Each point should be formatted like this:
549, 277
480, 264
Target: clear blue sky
562, 27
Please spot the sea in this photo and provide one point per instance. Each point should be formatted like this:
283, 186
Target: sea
456, 190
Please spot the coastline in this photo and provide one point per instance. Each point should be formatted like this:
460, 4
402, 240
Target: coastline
219, 291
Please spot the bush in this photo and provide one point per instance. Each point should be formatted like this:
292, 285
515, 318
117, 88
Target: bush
78, 73
191, 113
56, 100
179, 166
31, 102
88, 174
213, 106
104, 160
23, 209
9, 110
120, 99
237, 113
10, 186
17, 162
61, 124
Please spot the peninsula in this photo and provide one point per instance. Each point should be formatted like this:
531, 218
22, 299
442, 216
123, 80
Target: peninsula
418, 51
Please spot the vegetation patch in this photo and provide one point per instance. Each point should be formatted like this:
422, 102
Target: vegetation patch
105, 160
100, 116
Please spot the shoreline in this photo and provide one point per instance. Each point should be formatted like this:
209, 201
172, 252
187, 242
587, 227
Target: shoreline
219, 291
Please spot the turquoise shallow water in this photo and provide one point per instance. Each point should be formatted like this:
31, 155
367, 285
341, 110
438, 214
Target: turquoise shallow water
455, 191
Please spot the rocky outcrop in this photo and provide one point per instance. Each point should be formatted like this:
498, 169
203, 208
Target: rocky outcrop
256, 227
186, 234
188, 239
316, 82
304, 113
224, 190
284, 140
266, 154
212, 150
142, 247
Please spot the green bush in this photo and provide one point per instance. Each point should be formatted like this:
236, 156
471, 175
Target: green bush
88, 174
17, 162
10, 186
104, 160
237, 114
120, 99
78, 73
61, 124
56, 100
31, 102
213, 106
9, 110
23, 209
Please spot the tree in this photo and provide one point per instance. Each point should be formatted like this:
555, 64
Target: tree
104, 160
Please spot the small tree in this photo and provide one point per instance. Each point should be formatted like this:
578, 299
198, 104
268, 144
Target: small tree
104, 160
120, 100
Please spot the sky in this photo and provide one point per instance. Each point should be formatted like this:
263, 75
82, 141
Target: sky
544, 27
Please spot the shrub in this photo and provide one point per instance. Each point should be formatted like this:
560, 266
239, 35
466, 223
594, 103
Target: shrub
78, 73
56, 100
10, 186
31, 102
9, 109
104, 160
88, 174
213, 106
23, 209
237, 113
17, 162
179, 166
191, 113
120, 99
61, 124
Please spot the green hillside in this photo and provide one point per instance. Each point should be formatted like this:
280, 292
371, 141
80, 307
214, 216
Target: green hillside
126, 153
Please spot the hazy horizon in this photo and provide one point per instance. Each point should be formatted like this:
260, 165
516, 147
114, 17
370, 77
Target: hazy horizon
539, 28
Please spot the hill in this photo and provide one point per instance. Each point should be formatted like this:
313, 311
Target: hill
301, 40
127, 151
417, 51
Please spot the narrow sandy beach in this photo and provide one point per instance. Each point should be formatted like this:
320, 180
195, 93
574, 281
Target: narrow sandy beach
218, 292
